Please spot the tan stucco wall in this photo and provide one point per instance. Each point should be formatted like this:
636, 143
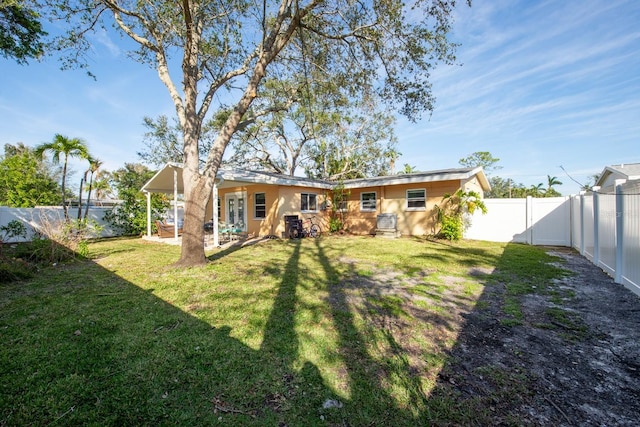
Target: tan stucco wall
472, 184
281, 201
285, 200
255, 226
356, 221
260, 226
289, 204
393, 199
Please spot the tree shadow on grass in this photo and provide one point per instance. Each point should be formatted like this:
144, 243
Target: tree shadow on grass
86, 347
515, 363
371, 380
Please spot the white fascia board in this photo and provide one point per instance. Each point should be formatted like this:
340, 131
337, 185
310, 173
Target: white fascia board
416, 178
267, 178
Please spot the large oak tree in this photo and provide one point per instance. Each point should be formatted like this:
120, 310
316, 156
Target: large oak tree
208, 51
21, 33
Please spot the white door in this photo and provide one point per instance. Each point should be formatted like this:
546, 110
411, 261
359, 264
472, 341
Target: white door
236, 211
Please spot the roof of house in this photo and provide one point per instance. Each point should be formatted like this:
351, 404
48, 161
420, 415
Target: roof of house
163, 181
419, 177
629, 172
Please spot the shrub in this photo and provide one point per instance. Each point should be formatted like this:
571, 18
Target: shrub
451, 227
58, 240
335, 225
450, 215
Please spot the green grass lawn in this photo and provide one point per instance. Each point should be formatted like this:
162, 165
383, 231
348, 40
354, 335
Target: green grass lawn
331, 331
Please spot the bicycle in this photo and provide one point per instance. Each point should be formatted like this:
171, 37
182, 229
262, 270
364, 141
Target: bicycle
312, 230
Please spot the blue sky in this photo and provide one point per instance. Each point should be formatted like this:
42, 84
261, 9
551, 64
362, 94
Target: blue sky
542, 84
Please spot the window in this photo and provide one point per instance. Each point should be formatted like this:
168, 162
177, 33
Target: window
368, 201
260, 205
342, 206
416, 200
308, 202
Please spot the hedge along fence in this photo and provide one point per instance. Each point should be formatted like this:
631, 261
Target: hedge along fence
36, 219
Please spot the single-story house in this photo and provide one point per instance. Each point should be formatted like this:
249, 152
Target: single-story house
259, 202
613, 173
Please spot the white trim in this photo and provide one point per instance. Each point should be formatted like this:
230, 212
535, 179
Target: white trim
255, 217
309, 210
160, 182
375, 201
259, 177
424, 199
236, 195
421, 177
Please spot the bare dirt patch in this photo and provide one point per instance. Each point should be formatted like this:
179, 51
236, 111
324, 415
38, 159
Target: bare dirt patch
574, 360
570, 358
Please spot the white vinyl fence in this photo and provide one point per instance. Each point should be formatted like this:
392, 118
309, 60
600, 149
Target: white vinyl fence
603, 226
36, 218
607, 227
534, 221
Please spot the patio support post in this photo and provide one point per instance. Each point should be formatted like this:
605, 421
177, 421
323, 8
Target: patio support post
214, 215
148, 213
175, 203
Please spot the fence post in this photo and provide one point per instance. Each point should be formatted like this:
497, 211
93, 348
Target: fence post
619, 229
529, 220
572, 220
582, 222
596, 220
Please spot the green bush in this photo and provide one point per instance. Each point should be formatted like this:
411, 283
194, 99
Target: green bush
335, 225
450, 214
451, 227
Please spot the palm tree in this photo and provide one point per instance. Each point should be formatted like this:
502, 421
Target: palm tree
535, 190
551, 181
408, 169
101, 185
93, 168
68, 147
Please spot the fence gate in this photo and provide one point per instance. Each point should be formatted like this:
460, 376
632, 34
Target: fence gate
544, 221
551, 221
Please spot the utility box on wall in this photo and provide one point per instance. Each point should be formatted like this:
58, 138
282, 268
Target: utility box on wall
387, 226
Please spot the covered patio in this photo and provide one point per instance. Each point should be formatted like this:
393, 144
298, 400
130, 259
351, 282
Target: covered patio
168, 180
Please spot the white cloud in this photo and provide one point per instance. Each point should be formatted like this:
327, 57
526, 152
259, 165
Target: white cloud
103, 38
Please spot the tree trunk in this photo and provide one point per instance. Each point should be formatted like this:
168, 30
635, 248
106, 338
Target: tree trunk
64, 190
197, 189
195, 203
197, 185
80, 199
86, 209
